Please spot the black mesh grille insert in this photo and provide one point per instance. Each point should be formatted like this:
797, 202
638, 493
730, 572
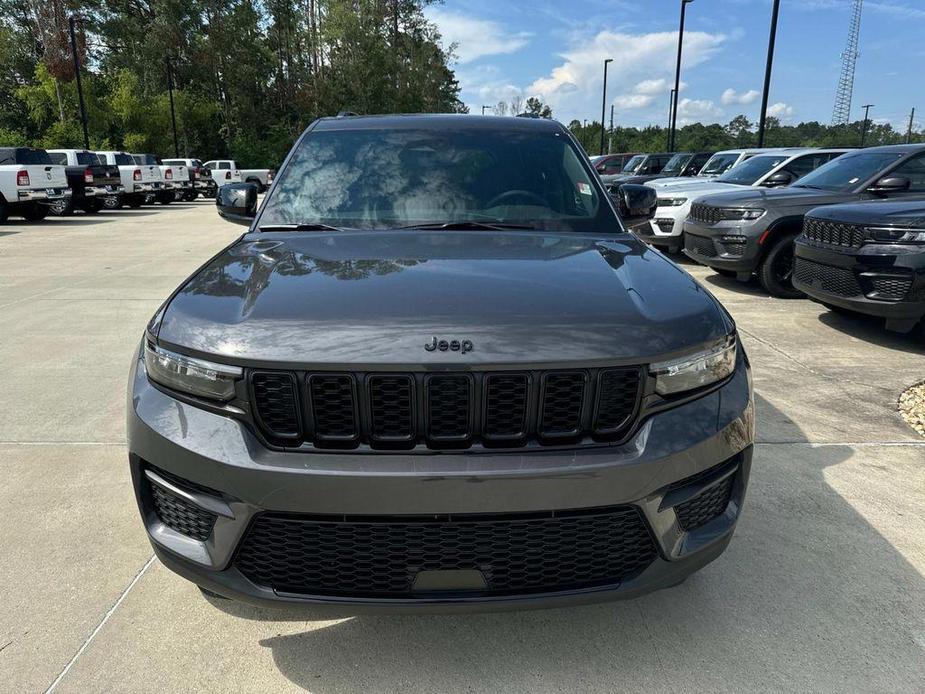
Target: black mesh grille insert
563, 395
449, 406
894, 288
516, 554
333, 406
391, 407
617, 395
274, 394
506, 405
705, 213
828, 278
180, 515
833, 233
705, 506
700, 245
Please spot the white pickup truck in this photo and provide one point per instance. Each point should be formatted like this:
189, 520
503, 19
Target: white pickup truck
177, 182
227, 171
29, 183
140, 181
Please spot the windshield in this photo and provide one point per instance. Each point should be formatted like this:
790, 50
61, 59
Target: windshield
719, 163
746, 173
379, 179
634, 163
845, 172
676, 164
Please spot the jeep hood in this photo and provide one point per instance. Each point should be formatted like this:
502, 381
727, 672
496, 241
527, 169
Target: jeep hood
793, 196
353, 298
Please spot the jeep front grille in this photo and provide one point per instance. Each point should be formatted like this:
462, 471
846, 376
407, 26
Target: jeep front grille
705, 213
446, 410
833, 233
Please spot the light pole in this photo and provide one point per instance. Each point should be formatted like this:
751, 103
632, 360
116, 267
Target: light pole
866, 108
677, 79
80, 90
610, 132
604, 103
909, 131
670, 111
767, 72
173, 117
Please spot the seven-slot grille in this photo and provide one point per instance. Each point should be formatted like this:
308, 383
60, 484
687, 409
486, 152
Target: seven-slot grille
705, 213
833, 233
382, 556
445, 410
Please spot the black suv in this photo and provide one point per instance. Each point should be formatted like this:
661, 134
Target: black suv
743, 232
444, 376
680, 164
867, 257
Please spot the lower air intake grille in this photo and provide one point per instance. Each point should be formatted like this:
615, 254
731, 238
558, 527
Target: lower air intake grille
828, 278
705, 506
700, 245
893, 288
180, 515
381, 556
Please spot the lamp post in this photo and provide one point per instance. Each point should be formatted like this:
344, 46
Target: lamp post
670, 111
767, 72
677, 79
173, 117
604, 103
80, 91
866, 108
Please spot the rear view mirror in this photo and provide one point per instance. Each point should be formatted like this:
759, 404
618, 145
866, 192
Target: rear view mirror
890, 184
237, 202
635, 204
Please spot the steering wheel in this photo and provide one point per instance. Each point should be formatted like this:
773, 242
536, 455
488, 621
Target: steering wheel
515, 193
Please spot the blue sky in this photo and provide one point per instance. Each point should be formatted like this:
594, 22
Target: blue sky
555, 49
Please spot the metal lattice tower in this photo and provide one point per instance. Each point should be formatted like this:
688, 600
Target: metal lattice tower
842, 111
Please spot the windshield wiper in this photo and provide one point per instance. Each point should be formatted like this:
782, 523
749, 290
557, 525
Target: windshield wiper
467, 224
308, 226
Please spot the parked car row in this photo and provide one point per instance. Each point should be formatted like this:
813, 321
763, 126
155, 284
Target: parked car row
36, 182
843, 227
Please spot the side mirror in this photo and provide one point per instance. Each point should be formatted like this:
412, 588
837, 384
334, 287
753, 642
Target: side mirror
635, 203
781, 178
237, 202
890, 184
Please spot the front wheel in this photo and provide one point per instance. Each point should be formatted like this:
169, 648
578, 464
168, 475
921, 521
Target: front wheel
776, 270
35, 212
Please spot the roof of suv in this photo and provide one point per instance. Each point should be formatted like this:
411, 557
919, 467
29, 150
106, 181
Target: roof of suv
437, 121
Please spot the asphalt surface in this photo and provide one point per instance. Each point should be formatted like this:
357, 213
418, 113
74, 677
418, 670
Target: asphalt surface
822, 588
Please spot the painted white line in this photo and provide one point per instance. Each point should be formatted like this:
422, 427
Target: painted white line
852, 444
62, 443
100, 626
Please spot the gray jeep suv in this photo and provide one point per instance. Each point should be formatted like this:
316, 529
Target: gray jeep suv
438, 373
752, 232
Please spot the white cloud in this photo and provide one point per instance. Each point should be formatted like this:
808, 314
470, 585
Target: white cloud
626, 102
474, 38
657, 87
642, 63
730, 96
698, 108
780, 110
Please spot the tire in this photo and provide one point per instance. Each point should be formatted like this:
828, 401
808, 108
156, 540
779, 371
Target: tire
35, 212
776, 270
113, 202
92, 206
165, 198
63, 207
4, 210
724, 272
135, 201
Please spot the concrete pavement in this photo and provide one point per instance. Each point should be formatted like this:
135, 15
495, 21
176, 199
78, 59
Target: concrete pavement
822, 588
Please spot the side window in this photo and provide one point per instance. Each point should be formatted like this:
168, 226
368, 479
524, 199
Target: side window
224, 165
612, 166
801, 166
209, 165
58, 158
914, 170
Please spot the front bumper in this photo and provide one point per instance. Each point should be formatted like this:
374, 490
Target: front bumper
224, 469
725, 245
887, 281
43, 194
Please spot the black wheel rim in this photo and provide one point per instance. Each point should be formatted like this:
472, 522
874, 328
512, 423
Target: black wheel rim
58, 206
782, 267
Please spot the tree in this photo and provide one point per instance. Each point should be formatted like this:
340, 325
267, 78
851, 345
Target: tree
536, 107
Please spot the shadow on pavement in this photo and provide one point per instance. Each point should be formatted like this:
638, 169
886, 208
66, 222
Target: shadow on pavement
872, 329
808, 596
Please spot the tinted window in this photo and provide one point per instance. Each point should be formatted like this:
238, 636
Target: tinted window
746, 173
801, 166
123, 159
676, 164
719, 163
58, 157
26, 155
612, 166
634, 163
86, 158
224, 165
848, 170
172, 162
914, 170
697, 163
195, 162
391, 178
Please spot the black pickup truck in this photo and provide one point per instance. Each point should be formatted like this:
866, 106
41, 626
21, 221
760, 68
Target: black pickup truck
90, 181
